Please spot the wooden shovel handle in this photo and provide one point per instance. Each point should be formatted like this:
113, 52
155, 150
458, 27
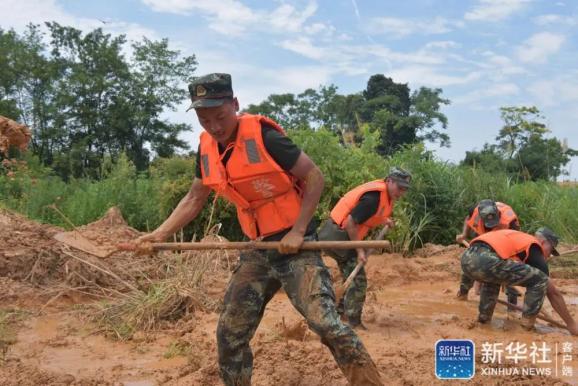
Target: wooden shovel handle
352, 275
543, 317
244, 245
355, 271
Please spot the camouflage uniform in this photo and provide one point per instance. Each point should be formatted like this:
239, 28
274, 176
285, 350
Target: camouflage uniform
307, 283
480, 262
351, 304
467, 283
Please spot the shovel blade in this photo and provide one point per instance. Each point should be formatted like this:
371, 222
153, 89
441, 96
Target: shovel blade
78, 241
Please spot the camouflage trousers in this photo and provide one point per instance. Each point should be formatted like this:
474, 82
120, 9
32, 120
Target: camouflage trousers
481, 263
351, 305
467, 283
307, 283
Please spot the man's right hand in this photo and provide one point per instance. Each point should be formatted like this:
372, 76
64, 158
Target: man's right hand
143, 244
460, 238
153, 237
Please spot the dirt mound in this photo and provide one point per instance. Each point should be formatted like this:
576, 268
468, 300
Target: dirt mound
430, 250
13, 134
109, 230
29, 253
27, 250
296, 331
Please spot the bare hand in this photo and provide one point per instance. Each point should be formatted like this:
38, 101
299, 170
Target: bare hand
390, 223
143, 245
361, 256
153, 237
291, 243
460, 238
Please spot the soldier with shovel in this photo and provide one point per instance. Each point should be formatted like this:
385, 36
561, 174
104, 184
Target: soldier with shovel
516, 258
248, 160
361, 209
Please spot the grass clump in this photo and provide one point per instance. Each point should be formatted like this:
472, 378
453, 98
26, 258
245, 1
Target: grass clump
178, 348
160, 302
9, 318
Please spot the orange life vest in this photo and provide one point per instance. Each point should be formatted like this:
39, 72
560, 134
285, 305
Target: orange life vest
341, 211
507, 215
267, 198
508, 243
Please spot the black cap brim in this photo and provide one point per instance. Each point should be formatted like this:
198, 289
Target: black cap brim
204, 103
491, 223
401, 182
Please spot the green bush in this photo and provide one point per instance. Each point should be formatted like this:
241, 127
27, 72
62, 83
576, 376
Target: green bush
432, 211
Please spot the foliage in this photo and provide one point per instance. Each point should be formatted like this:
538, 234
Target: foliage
390, 109
432, 211
182, 291
523, 151
85, 101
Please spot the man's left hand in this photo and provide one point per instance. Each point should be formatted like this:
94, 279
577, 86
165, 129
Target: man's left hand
390, 223
291, 242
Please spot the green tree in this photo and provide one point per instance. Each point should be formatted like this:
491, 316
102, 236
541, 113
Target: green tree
84, 100
284, 109
309, 110
490, 158
523, 150
520, 123
27, 87
401, 117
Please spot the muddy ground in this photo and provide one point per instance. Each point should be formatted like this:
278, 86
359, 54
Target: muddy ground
47, 335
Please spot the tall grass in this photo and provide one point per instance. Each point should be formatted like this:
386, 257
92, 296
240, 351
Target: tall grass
432, 211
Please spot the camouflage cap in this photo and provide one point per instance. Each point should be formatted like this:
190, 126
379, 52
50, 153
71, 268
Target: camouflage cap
402, 177
210, 90
489, 213
549, 235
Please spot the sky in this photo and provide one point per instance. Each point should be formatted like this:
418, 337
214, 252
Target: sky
484, 54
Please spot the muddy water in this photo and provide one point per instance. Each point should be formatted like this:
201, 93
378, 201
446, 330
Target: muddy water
62, 344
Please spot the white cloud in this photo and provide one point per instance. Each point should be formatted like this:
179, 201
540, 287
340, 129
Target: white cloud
398, 27
232, 17
492, 91
340, 54
500, 66
304, 47
550, 19
425, 75
539, 47
225, 16
287, 18
556, 91
442, 44
495, 10
18, 13
23, 12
